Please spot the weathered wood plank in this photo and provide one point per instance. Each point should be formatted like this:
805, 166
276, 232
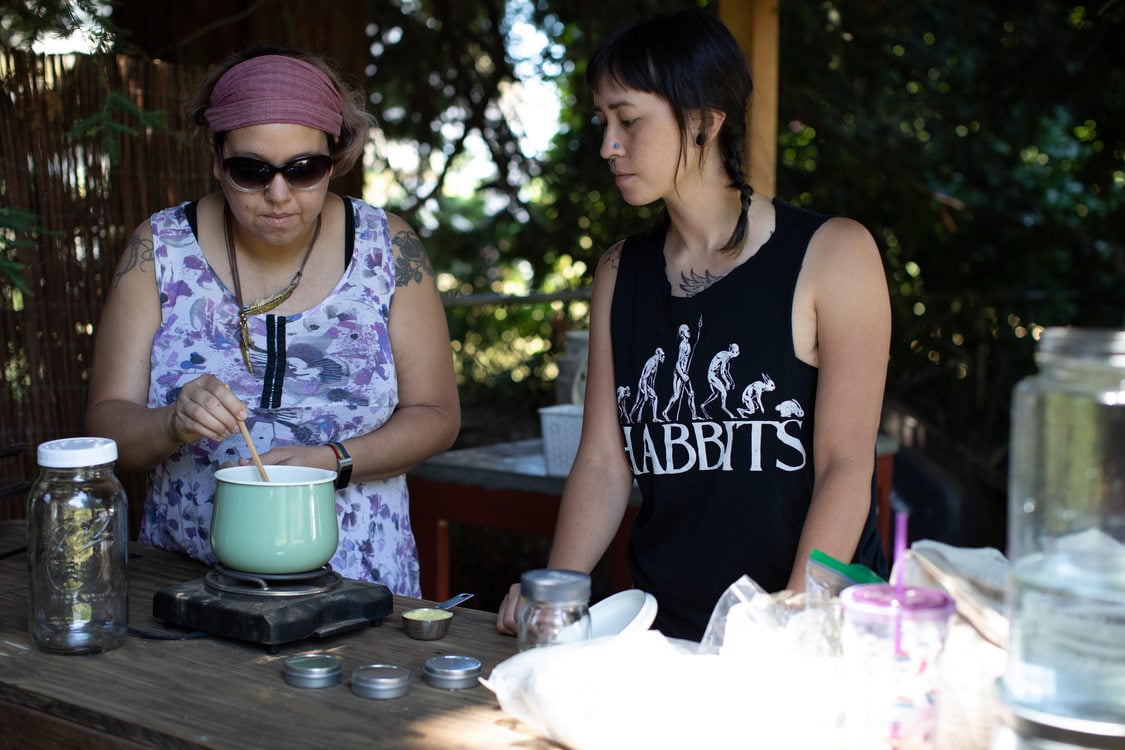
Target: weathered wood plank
215, 692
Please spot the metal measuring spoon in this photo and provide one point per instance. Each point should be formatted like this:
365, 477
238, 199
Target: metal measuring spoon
453, 601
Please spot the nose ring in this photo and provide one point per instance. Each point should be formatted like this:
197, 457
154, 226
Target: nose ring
616, 146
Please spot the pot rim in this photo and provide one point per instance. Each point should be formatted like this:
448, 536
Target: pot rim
276, 472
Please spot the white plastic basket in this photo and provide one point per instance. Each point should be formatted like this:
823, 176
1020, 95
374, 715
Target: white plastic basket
562, 426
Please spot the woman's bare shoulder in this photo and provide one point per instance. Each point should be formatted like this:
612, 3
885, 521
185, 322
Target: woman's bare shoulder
845, 233
842, 246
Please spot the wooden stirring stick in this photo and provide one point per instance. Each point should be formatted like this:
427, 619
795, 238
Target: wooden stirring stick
253, 451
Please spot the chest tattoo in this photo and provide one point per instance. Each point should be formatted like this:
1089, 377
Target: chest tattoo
692, 283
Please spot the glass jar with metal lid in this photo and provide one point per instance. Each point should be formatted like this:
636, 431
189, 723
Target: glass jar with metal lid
554, 607
77, 542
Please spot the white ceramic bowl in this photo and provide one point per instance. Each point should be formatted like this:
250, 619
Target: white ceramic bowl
624, 612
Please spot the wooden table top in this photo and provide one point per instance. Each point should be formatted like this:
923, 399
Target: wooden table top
217, 693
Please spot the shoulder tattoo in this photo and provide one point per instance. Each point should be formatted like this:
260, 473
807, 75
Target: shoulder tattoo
137, 253
412, 263
612, 258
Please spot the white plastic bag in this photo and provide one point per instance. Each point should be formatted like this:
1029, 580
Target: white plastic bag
749, 623
754, 686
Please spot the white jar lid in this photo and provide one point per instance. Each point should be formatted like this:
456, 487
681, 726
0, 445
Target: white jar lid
70, 453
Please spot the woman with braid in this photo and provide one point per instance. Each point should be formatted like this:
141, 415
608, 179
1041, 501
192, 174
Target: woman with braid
802, 296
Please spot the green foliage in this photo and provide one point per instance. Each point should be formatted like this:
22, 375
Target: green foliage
105, 123
16, 225
985, 149
25, 22
536, 223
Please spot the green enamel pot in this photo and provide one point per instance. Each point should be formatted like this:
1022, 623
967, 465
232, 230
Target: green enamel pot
284, 526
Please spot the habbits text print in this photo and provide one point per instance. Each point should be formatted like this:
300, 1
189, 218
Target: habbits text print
669, 430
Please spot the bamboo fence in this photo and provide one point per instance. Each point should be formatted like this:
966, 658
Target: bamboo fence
87, 194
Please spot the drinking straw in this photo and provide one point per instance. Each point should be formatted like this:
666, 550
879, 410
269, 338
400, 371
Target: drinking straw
901, 518
899, 566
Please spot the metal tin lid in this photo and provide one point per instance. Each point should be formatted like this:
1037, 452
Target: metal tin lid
451, 672
888, 600
380, 681
72, 453
555, 585
313, 670
1103, 347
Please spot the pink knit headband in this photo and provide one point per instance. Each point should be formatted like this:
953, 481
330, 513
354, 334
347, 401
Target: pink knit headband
275, 88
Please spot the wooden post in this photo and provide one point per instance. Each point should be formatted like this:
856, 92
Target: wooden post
754, 24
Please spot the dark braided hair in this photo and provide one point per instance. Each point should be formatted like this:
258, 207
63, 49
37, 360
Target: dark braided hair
692, 61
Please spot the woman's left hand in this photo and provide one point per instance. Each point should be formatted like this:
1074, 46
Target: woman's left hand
312, 456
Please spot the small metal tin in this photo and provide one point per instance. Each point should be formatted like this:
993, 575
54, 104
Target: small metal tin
380, 681
313, 670
451, 672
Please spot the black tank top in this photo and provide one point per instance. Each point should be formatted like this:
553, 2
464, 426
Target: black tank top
717, 414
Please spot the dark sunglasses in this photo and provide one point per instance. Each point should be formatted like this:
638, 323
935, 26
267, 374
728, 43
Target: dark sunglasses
254, 175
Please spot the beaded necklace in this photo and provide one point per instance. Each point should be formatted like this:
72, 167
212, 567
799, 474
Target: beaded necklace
264, 304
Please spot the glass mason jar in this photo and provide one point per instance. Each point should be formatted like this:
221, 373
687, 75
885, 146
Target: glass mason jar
1066, 535
554, 607
77, 540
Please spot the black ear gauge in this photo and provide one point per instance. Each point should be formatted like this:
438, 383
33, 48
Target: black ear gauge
699, 139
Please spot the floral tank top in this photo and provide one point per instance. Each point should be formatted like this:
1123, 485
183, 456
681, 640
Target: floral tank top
321, 375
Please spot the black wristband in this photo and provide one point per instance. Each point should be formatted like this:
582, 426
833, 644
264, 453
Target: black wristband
343, 465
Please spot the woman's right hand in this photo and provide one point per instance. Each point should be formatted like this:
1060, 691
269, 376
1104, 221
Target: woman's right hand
506, 617
118, 398
206, 408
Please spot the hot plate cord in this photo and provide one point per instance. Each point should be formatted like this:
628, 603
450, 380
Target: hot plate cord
168, 635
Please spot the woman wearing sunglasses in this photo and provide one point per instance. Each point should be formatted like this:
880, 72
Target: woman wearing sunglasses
311, 317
